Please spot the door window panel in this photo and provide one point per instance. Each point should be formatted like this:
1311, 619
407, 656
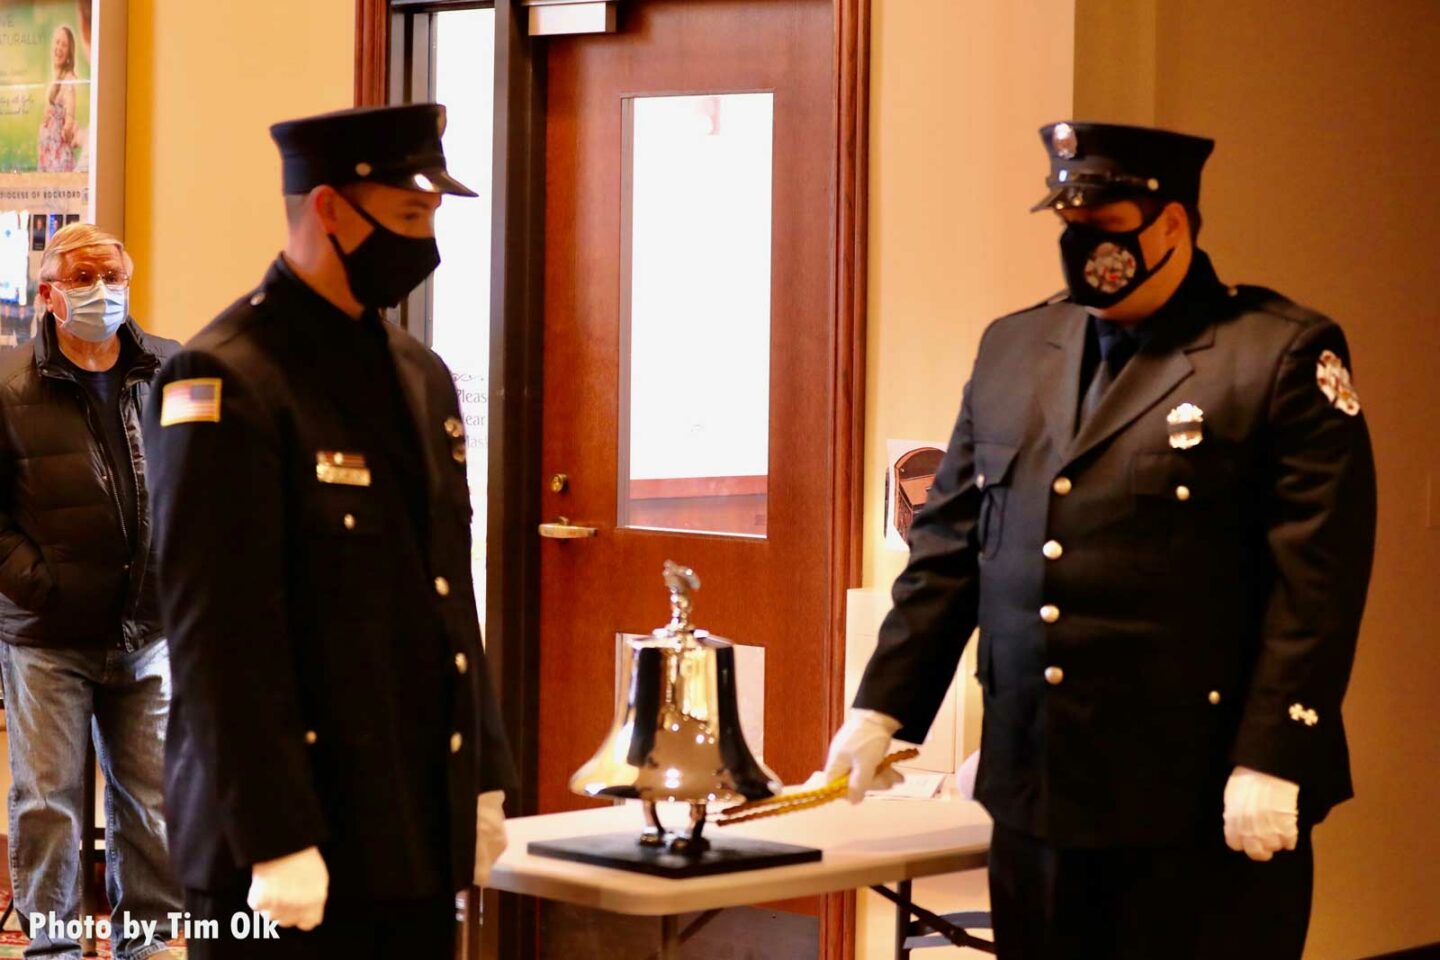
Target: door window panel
695, 313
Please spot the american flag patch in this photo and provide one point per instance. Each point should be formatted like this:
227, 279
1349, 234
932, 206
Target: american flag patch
190, 401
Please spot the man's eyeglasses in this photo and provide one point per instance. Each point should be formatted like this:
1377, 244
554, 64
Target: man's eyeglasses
82, 278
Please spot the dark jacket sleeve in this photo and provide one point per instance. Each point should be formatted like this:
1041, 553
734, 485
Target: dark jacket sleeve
217, 492
24, 576
936, 597
1321, 536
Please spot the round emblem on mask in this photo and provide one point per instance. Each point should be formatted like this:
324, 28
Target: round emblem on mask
1064, 141
1110, 268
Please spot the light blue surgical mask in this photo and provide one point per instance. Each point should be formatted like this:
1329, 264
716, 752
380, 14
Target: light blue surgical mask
95, 312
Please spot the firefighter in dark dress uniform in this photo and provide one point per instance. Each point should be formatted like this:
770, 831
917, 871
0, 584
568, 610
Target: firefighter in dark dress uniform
335, 749
1158, 506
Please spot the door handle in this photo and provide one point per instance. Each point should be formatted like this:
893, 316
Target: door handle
563, 529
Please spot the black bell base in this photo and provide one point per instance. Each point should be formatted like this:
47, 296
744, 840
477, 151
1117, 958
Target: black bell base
622, 851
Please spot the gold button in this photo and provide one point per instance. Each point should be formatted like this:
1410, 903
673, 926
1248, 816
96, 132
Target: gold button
456, 742
442, 586
363, 169
454, 428
1049, 613
1182, 493
980, 481
1214, 696
462, 663
1054, 675
1052, 550
1062, 486
349, 521
458, 451
311, 737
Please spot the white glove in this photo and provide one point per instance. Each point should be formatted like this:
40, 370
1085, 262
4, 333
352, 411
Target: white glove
859, 746
1261, 813
490, 839
291, 890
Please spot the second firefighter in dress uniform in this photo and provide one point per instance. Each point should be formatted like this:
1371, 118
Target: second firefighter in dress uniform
1158, 506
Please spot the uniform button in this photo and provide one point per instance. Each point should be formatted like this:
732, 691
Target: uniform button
349, 521
1214, 696
1049, 613
454, 428
1054, 675
458, 451
311, 737
442, 586
1052, 550
456, 742
462, 663
1182, 493
1062, 486
980, 481
258, 299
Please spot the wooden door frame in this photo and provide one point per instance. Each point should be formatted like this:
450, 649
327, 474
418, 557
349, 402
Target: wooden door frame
516, 380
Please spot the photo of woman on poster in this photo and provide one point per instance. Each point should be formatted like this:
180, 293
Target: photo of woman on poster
57, 124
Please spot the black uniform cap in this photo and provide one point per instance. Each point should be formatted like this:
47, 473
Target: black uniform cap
1095, 163
398, 146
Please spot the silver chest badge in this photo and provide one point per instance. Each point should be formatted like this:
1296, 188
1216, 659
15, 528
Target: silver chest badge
1187, 426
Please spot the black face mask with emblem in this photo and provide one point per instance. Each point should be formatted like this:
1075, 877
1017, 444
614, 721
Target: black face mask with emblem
1103, 267
386, 266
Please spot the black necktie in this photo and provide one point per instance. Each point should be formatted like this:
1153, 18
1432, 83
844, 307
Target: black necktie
1117, 346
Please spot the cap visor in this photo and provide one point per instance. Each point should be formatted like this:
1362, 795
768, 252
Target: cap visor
444, 183
431, 180
1067, 196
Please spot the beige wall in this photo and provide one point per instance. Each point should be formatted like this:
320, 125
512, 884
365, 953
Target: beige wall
1322, 186
959, 91
203, 214
958, 94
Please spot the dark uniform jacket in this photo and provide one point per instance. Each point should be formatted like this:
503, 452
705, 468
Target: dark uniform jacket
71, 573
330, 687
1150, 617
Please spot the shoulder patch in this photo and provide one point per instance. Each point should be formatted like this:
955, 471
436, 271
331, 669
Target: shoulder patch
1334, 382
191, 401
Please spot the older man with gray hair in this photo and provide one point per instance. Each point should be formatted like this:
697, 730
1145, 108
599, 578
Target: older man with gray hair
82, 639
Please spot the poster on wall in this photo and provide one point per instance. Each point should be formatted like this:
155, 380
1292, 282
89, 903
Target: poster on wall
909, 473
46, 138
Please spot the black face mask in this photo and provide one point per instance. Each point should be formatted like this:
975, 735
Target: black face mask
1101, 267
386, 266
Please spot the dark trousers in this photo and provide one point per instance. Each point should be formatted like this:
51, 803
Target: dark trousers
1194, 902
366, 930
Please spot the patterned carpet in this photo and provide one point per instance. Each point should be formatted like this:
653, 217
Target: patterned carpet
12, 941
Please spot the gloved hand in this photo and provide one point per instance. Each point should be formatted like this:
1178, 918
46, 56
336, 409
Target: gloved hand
859, 746
291, 890
490, 839
1261, 813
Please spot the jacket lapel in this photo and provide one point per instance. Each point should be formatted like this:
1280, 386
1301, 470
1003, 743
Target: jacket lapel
1058, 377
1147, 379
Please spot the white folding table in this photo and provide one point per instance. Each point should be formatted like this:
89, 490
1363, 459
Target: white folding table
877, 843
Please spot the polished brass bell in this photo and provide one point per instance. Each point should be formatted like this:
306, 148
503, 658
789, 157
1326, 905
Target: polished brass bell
676, 734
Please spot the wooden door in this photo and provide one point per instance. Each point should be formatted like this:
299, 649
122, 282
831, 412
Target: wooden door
767, 558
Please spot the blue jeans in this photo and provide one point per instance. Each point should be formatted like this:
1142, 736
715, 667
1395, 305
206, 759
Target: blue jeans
52, 700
